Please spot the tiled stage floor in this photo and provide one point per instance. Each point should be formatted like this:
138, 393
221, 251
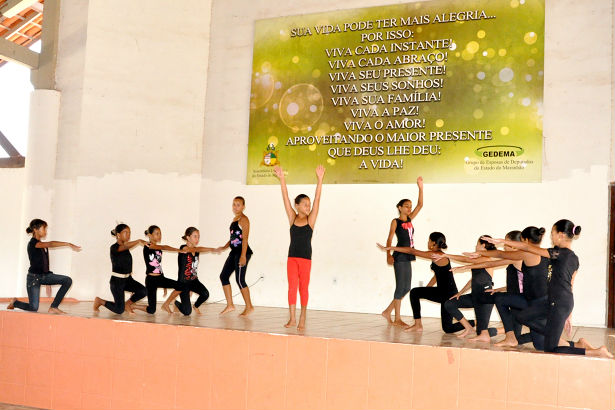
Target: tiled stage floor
323, 324
341, 361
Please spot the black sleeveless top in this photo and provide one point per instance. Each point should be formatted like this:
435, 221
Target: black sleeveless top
405, 238
512, 280
481, 280
236, 240
535, 279
39, 258
153, 260
188, 265
121, 262
564, 263
444, 279
300, 241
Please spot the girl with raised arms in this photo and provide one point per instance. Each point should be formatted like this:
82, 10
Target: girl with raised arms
443, 280
564, 267
299, 261
188, 265
479, 298
121, 277
402, 228
155, 279
39, 273
238, 258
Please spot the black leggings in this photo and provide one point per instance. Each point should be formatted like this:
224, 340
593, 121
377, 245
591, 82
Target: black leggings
192, 286
403, 278
152, 283
508, 305
118, 287
435, 295
483, 305
547, 333
232, 265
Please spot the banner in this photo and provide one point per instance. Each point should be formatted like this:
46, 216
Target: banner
452, 91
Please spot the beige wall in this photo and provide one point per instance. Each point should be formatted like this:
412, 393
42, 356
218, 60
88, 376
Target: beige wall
154, 129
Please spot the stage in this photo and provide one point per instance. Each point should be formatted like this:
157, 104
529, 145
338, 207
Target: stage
88, 360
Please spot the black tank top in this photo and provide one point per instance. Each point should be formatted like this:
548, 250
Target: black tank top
535, 279
405, 238
300, 241
121, 262
481, 280
444, 279
564, 263
153, 260
188, 265
237, 238
512, 279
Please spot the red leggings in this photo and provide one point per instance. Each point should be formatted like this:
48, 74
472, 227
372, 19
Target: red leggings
298, 270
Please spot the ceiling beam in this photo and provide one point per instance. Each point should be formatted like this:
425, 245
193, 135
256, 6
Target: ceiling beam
12, 52
13, 7
21, 25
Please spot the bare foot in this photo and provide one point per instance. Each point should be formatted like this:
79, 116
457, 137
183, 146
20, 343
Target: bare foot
196, 309
387, 316
247, 311
290, 323
166, 308
399, 322
175, 309
98, 302
602, 351
507, 342
481, 338
301, 325
463, 334
227, 309
501, 331
583, 343
11, 304
56, 311
128, 308
414, 328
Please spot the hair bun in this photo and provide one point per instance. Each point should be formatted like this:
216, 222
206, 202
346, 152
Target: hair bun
443, 246
113, 233
146, 233
577, 230
28, 230
542, 231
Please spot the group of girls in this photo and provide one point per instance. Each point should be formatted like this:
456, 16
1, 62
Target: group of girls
538, 292
301, 218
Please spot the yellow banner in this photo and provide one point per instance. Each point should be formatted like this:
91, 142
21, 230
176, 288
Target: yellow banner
452, 91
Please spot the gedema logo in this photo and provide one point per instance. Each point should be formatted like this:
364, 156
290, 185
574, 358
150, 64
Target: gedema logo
499, 151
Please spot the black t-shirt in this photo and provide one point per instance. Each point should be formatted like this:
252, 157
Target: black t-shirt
153, 260
404, 231
188, 265
121, 262
535, 279
39, 258
481, 280
300, 241
237, 238
512, 279
564, 263
444, 279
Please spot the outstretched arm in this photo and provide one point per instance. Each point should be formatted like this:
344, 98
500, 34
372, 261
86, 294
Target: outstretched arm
409, 250
320, 174
57, 244
522, 246
290, 212
419, 203
481, 265
165, 248
516, 255
462, 291
131, 244
461, 258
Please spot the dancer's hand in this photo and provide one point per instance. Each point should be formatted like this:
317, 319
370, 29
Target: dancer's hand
242, 261
458, 269
382, 247
143, 242
320, 172
74, 247
419, 182
390, 260
568, 326
494, 241
492, 291
455, 296
473, 255
278, 171
437, 256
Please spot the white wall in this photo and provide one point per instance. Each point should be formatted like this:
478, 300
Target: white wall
154, 129
12, 181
